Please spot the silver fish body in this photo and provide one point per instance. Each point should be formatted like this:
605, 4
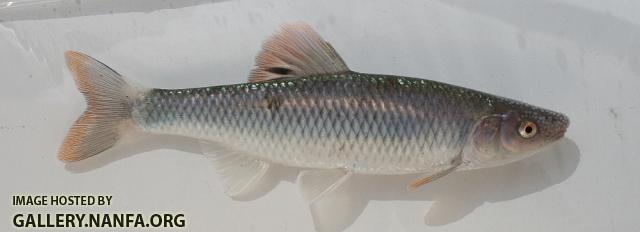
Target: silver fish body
304, 107
373, 124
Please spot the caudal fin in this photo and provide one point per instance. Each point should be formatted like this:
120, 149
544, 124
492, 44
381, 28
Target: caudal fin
107, 95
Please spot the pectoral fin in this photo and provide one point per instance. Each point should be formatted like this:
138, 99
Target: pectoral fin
314, 184
434, 176
241, 172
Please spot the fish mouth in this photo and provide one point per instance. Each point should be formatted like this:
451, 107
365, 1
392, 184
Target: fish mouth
562, 123
558, 135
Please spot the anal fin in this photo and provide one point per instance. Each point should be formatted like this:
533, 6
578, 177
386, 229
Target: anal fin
314, 184
241, 172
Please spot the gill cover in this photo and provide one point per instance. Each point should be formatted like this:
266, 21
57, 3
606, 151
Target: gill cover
496, 141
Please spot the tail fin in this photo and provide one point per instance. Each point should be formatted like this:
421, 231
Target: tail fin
107, 95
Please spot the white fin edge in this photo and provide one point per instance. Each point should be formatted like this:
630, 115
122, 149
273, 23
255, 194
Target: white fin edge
315, 184
240, 172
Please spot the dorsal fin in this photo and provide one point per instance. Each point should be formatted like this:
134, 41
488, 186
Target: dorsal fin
296, 51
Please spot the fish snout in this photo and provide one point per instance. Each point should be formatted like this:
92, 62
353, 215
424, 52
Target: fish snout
558, 126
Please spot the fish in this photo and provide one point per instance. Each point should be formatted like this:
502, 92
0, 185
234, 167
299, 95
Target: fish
303, 107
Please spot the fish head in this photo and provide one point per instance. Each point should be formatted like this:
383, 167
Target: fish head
514, 131
530, 129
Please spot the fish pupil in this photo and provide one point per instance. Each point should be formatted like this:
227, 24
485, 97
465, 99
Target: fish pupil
528, 129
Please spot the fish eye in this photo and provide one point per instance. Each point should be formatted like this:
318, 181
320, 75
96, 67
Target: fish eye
527, 129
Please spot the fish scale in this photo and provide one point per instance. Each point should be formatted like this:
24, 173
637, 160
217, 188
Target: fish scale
384, 124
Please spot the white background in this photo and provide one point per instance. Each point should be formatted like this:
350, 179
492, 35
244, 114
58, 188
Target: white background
578, 57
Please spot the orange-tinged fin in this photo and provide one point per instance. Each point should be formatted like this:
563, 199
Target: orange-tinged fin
296, 51
428, 179
107, 95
